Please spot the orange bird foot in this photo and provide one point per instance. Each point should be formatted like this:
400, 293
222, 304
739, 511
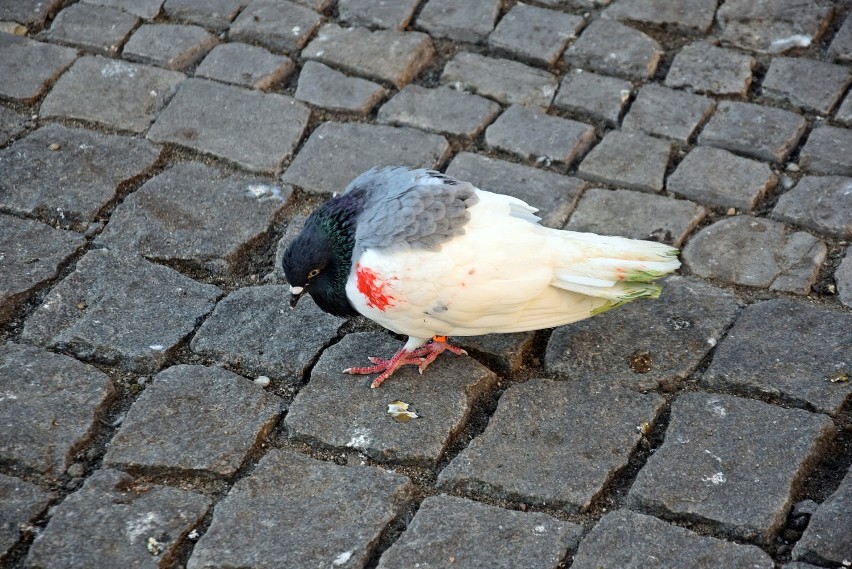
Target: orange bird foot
421, 357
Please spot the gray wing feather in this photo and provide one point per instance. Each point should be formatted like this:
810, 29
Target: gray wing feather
410, 208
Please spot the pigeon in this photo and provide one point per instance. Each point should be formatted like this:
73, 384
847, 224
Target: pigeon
429, 256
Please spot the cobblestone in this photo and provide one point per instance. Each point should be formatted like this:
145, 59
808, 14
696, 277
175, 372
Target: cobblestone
277, 24
843, 277
841, 45
189, 399
555, 196
173, 46
246, 65
717, 177
597, 96
259, 132
391, 56
252, 329
766, 133
28, 67
70, 185
459, 532
195, 216
293, 511
504, 353
503, 80
805, 83
675, 332
827, 539
534, 135
468, 21
844, 113
828, 151
84, 529
535, 34
636, 215
12, 124
111, 92
667, 113
773, 26
120, 310
798, 355
20, 504
216, 15
443, 401
611, 48
756, 252
93, 28
146, 9
689, 16
731, 462
821, 203
355, 148
378, 13
50, 408
628, 159
32, 255
442, 110
24, 12
627, 539
553, 443
706, 68
322, 86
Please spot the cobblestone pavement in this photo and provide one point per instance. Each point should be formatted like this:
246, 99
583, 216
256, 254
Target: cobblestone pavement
161, 406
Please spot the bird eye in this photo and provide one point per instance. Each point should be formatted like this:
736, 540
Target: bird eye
313, 273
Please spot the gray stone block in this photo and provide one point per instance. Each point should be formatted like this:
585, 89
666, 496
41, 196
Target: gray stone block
70, 186
442, 110
756, 252
54, 403
93, 28
599, 97
391, 56
820, 203
174, 46
337, 152
626, 539
212, 14
322, 86
828, 151
469, 21
841, 45
668, 113
443, 398
673, 333
246, 65
717, 177
256, 130
553, 443
197, 217
628, 159
20, 503
119, 309
732, 463
843, 278
636, 215
27, 13
687, 16
766, 133
253, 329
504, 80
28, 68
706, 68
146, 9
377, 13
293, 511
12, 124
555, 196
532, 134
805, 83
773, 26
502, 352
277, 24
844, 113
828, 538
535, 34
794, 358
111, 92
32, 254
112, 521
611, 48
189, 400
467, 535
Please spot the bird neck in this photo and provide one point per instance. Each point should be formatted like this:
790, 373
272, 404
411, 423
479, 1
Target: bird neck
337, 224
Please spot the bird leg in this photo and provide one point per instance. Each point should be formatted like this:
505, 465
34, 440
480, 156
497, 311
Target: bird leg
421, 357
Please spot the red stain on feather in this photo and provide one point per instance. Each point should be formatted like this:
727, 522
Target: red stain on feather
371, 285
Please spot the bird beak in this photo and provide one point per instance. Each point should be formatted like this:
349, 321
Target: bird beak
295, 294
